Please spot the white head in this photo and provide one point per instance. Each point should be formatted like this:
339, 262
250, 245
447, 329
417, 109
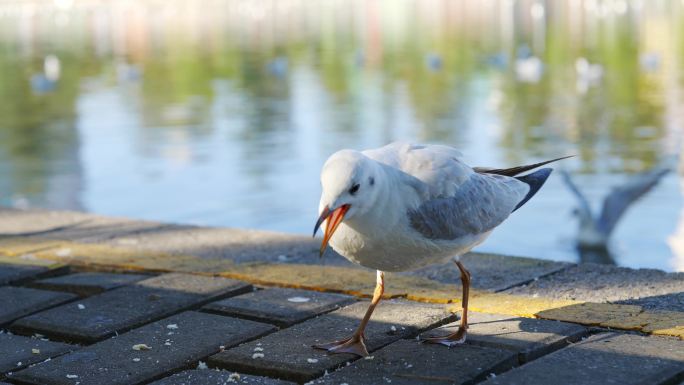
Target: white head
349, 183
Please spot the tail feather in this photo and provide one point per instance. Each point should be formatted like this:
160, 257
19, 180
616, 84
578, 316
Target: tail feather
535, 180
513, 171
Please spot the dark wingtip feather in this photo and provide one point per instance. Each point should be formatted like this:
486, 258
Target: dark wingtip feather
535, 180
513, 171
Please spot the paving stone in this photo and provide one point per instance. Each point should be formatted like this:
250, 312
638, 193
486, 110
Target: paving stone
87, 284
217, 377
17, 352
283, 307
671, 302
102, 315
174, 342
24, 222
602, 359
20, 301
529, 338
412, 362
602, 283
288, 354
17, 273
492, 272
70, 225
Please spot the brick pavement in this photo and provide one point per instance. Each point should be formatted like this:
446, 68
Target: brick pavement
76, 310
212, 324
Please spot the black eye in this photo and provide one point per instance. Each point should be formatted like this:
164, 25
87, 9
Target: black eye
354, 189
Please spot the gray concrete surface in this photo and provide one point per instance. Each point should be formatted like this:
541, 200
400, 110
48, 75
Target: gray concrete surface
217, 377
528, 338
87, 284
409, 362
493, 272
171, 343
282, 307
601, 283
18, 352
102, 315
17, 273
288, 354
606, 358
18, 302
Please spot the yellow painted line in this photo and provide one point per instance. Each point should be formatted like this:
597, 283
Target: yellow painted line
353, 281
617, 316
22, 246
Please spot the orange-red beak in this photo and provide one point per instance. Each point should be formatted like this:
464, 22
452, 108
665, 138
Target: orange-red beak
334, 218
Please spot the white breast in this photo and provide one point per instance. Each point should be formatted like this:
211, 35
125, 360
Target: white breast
399, 249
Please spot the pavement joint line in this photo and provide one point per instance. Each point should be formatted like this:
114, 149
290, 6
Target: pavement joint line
549, 274
351, 281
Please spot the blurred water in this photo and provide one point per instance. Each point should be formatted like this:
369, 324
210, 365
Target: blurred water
222, 112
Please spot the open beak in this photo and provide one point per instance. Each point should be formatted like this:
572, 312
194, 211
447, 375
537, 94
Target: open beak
334, 218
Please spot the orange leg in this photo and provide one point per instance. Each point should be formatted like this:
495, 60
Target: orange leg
355, 344
459, 336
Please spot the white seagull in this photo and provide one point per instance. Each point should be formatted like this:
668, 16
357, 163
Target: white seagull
404, 206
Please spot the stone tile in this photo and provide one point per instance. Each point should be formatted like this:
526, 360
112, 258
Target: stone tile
217, 377
17, 352
493, 272
38, 221
87, 284
671, 302
17, 273
529, 338
127, 307
604, 358
604, 283
288, 354
282, 307
174, 342
20, 301
412, 362
239, 245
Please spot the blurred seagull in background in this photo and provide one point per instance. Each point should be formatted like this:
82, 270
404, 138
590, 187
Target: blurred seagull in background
405, 206
46, 81
528, 68
594, 231
588, 74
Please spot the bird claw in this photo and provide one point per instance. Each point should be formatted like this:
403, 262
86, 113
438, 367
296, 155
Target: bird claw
353, 345
453, 339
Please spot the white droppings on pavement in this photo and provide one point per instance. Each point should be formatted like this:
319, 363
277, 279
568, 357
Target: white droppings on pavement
257, 355
311, 360
299, 299
172, 326
80, 306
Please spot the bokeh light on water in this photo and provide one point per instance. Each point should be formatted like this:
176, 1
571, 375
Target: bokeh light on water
221, 112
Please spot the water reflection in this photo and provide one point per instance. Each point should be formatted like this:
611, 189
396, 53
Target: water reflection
221, 112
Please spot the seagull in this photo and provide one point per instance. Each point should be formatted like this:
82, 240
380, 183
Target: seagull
594, 231
405, 206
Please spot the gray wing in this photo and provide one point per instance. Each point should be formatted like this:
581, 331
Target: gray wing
479, 205
617, 202
584, 207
